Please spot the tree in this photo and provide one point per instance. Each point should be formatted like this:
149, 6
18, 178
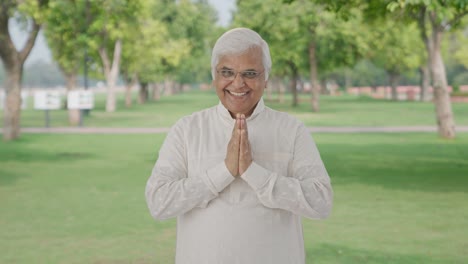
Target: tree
65, 31
109, 22
277, 23
434, 19
396, 48
305, 27
31, 12
195, 22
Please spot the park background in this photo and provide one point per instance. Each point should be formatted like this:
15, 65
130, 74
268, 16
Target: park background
74, 193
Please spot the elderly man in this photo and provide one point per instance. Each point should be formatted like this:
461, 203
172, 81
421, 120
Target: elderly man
239, 176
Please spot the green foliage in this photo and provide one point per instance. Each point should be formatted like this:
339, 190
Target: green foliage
445, 15
34, 9
66, 33
460, 41
291, 28
396, 46
171, 40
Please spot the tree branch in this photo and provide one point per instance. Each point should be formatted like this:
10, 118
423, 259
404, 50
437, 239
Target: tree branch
105, 60
456, 19
7, 48
23, 54
422, 23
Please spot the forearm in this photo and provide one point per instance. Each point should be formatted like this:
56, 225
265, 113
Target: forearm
167, 199
307, 194
168, 195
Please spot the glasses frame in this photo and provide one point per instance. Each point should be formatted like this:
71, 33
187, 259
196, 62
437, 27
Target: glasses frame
243, 74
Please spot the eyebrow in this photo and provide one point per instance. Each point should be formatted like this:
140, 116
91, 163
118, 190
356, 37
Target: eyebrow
227, 68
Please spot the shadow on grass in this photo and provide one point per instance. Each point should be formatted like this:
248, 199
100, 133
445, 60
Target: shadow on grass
15, 155
9, 177
330, 253
419, 167
40, 156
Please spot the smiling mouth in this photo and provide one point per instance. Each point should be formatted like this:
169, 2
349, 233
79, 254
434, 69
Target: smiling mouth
237, 94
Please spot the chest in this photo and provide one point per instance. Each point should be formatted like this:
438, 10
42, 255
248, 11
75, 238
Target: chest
272, 147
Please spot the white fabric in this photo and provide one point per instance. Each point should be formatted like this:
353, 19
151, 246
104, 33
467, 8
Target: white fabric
252, 219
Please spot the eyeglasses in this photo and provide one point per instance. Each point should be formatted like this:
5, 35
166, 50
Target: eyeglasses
230, 75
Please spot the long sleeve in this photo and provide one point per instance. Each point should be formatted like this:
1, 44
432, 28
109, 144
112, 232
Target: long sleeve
307, 193
169, 191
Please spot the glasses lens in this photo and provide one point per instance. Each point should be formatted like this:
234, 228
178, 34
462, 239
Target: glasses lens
250, 74
227, 73
231, 74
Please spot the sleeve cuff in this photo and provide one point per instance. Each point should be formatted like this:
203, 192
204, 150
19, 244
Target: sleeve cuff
218, 178
256, 176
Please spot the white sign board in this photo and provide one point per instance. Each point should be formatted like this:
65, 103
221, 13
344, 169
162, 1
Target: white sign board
24, 100
47, 100
80, 99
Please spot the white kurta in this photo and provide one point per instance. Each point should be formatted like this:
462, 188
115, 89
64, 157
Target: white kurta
252, 219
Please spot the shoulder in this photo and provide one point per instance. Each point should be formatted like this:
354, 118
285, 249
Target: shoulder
282, 119
193, 120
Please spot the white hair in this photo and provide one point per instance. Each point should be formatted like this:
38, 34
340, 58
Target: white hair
237, 41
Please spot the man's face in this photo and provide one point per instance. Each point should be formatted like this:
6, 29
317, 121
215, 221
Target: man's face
241, 92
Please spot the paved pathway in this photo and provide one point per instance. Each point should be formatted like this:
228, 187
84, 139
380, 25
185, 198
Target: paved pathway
120, 130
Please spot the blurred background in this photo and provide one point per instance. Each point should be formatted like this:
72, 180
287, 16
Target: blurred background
88, 89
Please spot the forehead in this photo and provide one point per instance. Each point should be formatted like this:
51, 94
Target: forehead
250, 59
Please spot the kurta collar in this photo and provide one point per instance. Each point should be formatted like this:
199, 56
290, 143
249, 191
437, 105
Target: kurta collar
226, 117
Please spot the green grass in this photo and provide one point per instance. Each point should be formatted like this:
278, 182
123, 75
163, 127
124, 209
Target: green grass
399, 198
335, 111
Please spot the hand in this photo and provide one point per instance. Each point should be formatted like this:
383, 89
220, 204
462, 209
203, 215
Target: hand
245, 153
239, 155
232, 155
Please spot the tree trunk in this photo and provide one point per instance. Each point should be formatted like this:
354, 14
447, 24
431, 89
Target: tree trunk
128, 90
425, 82
293, 82
293, 88
13, 62
168, 86
12, 108
177, 87
156, 91
323, 85
282, 91
143, 94
443, 105
348, 79
73, 114
111, 71
315, 89
393, 79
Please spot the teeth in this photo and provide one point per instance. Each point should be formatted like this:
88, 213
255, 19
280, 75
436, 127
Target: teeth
238, 94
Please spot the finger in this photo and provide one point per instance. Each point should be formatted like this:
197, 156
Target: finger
245, 155
236, 124
244, 143
244, 124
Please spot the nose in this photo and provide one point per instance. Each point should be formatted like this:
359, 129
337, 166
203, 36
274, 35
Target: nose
238, 80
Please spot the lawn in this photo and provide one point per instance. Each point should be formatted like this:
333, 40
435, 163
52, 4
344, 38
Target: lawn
335, 111
399, 198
